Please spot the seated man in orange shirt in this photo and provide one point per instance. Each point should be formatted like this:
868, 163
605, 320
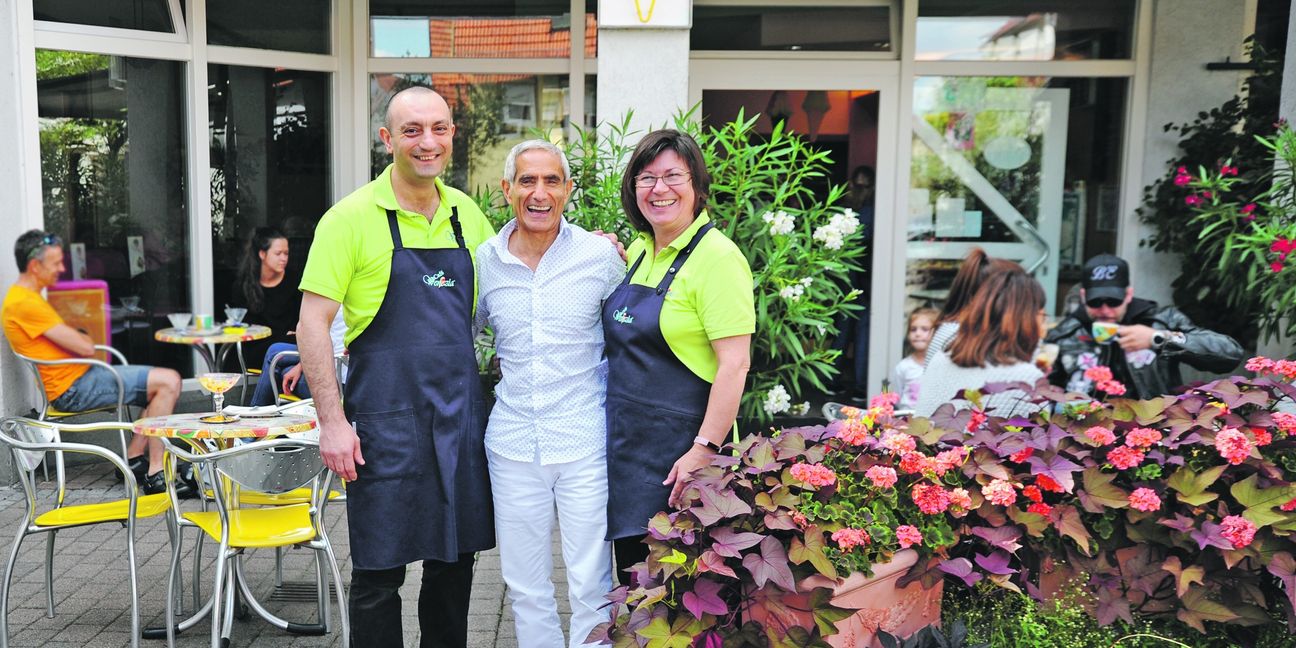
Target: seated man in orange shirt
35, 330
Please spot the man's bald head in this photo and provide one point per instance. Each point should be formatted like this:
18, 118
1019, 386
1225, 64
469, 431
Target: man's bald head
411, 95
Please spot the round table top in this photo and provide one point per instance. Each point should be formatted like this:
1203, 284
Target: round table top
187, 426
226, 335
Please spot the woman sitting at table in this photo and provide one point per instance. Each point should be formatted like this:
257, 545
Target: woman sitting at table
677, 333
268, 292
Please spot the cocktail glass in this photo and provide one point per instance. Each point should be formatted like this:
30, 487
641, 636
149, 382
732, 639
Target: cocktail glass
131, 303
180, 321
218, 384
234, 316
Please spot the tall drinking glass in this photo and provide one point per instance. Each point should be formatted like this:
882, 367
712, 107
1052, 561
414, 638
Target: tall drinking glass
218, 384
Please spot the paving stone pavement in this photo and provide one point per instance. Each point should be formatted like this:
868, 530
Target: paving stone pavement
90, 580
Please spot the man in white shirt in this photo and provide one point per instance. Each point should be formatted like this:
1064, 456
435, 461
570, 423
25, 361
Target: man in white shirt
542, 285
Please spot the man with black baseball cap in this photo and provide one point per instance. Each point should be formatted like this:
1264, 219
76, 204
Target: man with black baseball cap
1141, 342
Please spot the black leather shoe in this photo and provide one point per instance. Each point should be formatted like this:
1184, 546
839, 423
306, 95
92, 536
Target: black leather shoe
138, 466
154, 484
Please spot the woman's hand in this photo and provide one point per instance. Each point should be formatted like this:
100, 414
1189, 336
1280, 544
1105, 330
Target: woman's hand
681, 473
291, 377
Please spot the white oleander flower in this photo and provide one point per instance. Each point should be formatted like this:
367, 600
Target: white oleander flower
792, 292
777, 400
830, 236
781, 222
806, 281
846, 222
800, 410
823, 330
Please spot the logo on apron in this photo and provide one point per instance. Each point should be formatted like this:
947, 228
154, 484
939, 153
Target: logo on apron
439, 280
622, 317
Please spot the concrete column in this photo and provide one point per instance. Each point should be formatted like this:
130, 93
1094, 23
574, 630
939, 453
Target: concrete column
20, 191
1186, 35
644, 70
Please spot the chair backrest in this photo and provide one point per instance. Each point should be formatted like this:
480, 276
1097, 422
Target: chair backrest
28, 440
276, 466
34, 371
30, 432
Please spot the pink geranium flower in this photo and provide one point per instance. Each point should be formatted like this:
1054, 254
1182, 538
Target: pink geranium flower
1142, 438
908, 536
814, 474
849, 538
1145, 499
1000, 491
1125, 457
1040, 507
853, 432
977, 420
930, 498
1233, 446
1286, 422
1112, 387
1098, 373
1238, 530
961, 498
1100, 435
882, 476
1259, 364
898, 442
947, 460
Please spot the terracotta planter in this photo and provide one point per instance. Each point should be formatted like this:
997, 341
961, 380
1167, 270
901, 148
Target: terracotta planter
877, 601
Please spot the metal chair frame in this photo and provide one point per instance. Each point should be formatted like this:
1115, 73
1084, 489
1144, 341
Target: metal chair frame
9, 429
230, 468
339, 364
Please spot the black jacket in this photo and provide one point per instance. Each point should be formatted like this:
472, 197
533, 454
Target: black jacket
1146, 374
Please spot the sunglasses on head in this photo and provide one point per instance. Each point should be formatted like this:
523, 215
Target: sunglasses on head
1104, 302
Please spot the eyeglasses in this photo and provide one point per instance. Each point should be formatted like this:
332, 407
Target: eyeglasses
48, 239
1104, 302
672, 179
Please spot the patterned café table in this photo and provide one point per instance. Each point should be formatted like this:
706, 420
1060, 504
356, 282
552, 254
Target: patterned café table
213, 346
188, 426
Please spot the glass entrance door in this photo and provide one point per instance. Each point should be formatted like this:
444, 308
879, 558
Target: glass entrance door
840, 108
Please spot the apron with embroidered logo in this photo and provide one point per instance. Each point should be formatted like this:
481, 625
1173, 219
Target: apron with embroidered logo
413, 393
655, 403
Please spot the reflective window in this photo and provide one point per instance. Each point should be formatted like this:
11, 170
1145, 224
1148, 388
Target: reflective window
492, 112
270, 161
1024, 30
841, 29
488, 29
113, 182
146, 15
293, 25
1027, 168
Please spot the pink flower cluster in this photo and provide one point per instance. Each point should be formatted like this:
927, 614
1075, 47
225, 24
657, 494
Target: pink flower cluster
1142, 437
1125, 457
1233, 445
1098, 373
1238, 530
1283, 246
978, 419
930, 498
1145, 499
849, 538
1262, 436
1049, 484
1278, 368
1286, 422
1103, 379
882, 476
948, 460
898, 442
908, 536
886, 401
1000, 491
916, 462
961, 499
814, 474
1182, 177
1248, 212
1100, 435
853, 431
1290, 505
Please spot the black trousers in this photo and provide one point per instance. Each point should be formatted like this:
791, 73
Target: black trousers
627, 552
442, 605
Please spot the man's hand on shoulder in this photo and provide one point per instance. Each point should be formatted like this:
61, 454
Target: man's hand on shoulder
612, 238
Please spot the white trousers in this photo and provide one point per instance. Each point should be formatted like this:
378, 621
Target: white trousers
525, 494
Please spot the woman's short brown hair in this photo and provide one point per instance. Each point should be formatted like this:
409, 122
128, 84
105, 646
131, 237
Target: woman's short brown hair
1000, 325
652, 145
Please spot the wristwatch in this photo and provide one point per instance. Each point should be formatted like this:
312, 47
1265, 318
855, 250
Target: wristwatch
710, 445
1160, 338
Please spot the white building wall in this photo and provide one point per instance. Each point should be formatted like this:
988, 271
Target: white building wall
1186, 35
20, 200
645, 71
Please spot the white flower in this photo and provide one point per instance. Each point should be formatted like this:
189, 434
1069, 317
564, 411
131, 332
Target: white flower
777, 400
830, 236
800, 410
781, 222
792, 292
846, 222
806, 281
823, 330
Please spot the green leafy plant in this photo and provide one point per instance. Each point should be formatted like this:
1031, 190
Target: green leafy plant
1252, 235
1215, 295
932, 637
801, 245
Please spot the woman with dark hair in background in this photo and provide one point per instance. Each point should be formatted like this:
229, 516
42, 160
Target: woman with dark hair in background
998, 332
271, 298
677, 334
974, 269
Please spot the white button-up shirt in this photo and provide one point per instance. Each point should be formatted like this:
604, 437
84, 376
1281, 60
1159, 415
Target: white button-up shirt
549, 339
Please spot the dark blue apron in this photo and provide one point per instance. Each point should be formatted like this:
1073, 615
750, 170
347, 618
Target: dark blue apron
655, 404
413, 393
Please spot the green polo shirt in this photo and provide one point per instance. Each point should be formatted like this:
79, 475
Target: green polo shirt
351, 256
711, 297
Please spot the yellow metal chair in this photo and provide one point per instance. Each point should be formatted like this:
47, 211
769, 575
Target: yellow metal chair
15, 434
272, 468
45, 411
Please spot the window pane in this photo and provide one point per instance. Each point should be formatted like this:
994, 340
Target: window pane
492, 29
147, 15
293, 25
113, 182
1024, 30
492, 112
841, 29
1025, 167
270, 162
